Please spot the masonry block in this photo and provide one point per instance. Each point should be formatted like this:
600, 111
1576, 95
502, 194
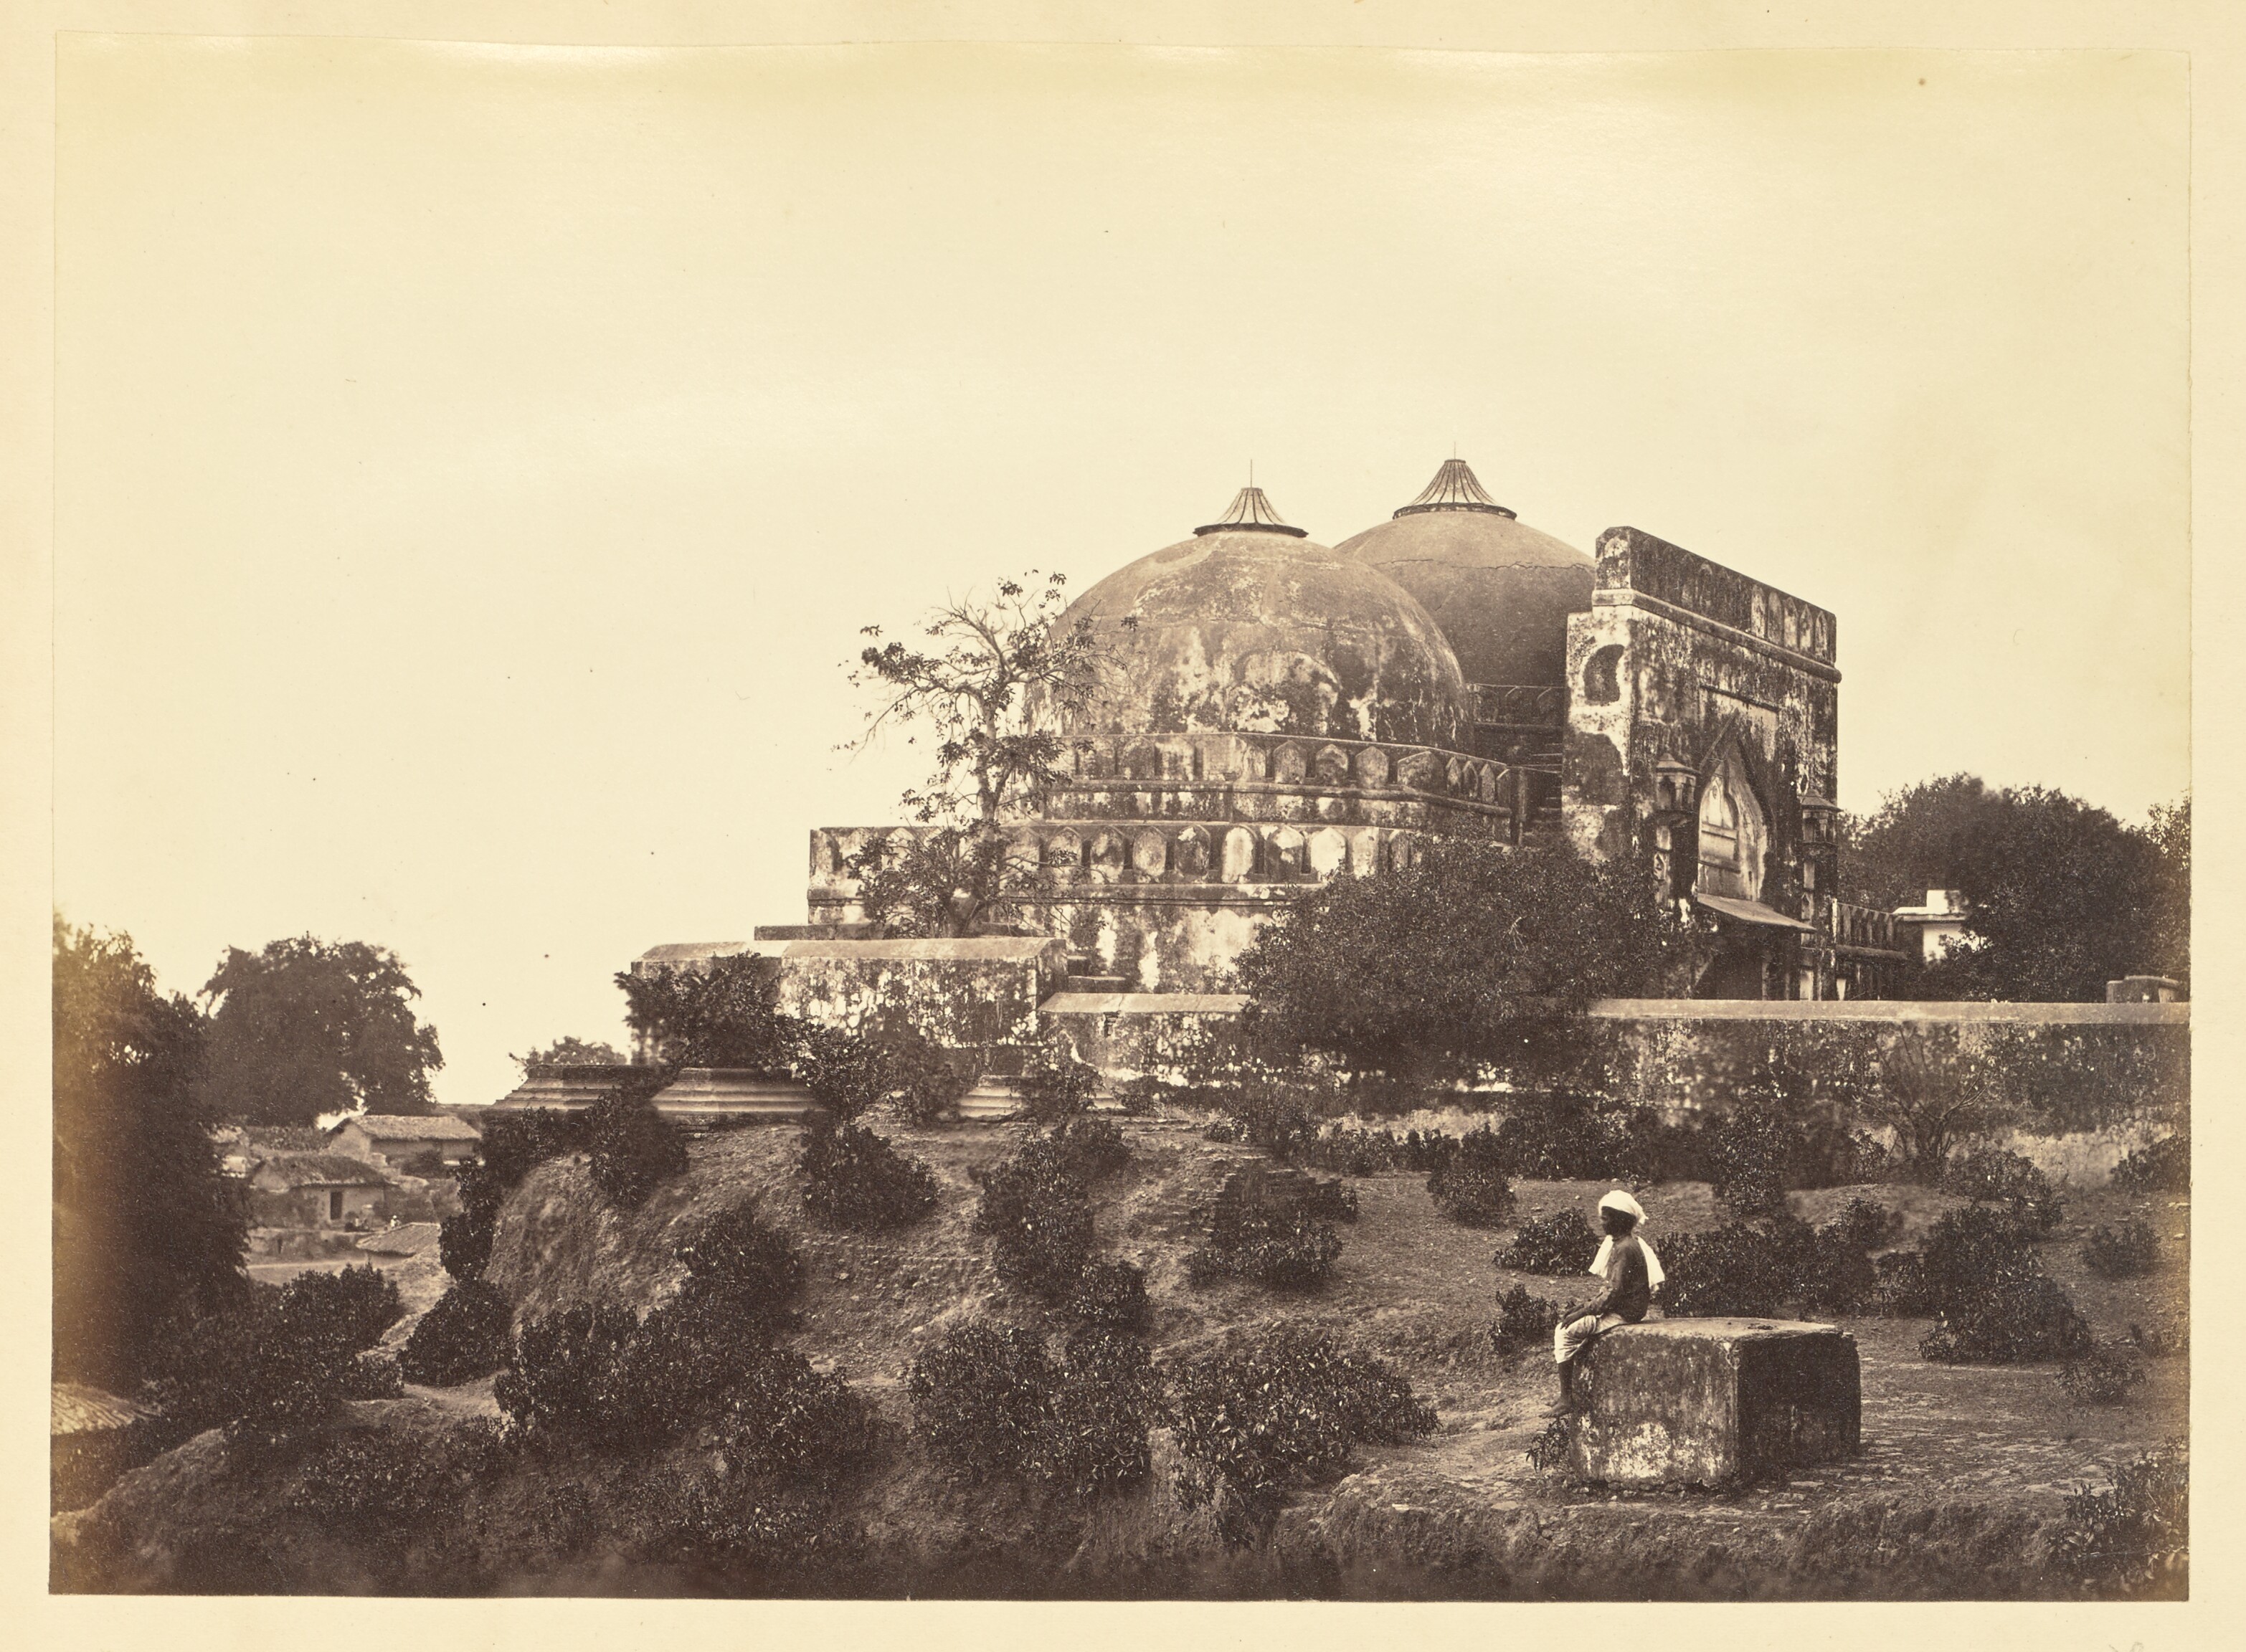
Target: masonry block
1715, 1401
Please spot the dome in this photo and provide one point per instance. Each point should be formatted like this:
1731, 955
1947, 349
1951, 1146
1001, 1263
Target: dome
1250, 627
1501, 590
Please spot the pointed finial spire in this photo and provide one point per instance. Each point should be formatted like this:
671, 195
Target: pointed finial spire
1453, 489
1250, 513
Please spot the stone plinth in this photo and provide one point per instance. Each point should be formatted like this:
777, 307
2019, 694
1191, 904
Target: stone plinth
1715, 1401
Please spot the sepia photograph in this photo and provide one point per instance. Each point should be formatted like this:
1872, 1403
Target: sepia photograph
974, 820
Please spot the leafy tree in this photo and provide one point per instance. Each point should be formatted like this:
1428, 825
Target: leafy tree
147, 1227
307, 1027
717, 1016
1934, 1092
572, 1052
2061, 896
987, 689
1474, 955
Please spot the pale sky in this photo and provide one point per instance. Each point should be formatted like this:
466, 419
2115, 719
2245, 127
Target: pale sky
473, 465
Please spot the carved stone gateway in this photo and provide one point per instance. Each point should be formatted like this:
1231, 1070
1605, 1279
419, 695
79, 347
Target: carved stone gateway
1715, 1401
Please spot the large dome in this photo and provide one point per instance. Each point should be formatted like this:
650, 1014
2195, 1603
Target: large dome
1501, 590
1250, 626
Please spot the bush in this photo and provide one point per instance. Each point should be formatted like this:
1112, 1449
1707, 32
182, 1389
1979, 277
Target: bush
1749, 1155
513, 1142
782, 1420
376, 1481
2168, 1337
1113, 1295
1899, 1288
565, 1382
634, 1147
2132, 1541
1277, 1112
1057, 1087
1523, 1321
1039, 1221
2129, 1252
2163, 1166
357, 1304
1561, 1243
754, 1546
1738, 1269
463, 1338
1091, 1148
928, 1079
1331, 1201
1992, 1299
464, 1242
1571, 1138
1470, 1186
738, 1258
1295, 1254
1280, 1409
2102, 1374
1996, 1174
845, 1073
1833, 1272
275, 1362
855, 1180
1356, 1152
1550, 1452
987, 1404
1869, 1225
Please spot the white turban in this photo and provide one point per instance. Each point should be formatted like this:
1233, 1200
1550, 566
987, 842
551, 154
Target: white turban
1621, 1201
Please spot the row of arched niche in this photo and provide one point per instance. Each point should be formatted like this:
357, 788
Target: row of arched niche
1276, 759
1094, 853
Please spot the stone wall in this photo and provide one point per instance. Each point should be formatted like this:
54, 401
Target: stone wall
1130, 1035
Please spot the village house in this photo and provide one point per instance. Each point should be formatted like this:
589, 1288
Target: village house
318, 1190
399, 1141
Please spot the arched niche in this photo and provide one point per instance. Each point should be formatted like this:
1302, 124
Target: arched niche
1104, 855
1063, 848
1328, 852
1330, 766
1602, 676
1371, 768
1143, 761
1734, 831
1283, 856
1150, 854
1189, 854
1287, 764
1237, 864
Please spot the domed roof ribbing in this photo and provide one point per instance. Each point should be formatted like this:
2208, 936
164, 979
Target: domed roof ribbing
1252, 627
1500, 589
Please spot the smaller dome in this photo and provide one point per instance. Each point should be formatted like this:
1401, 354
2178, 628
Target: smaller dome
1500, 589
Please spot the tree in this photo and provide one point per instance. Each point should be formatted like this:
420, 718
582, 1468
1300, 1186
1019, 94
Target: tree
997, 677
2062, 896
1934, 1092
571, 1052
1477, 955
147, 1227
307, 1027
721, 1015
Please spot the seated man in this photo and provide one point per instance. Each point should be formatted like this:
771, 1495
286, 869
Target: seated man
1632, 1273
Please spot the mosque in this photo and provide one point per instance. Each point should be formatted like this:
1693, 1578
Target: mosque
1283, 712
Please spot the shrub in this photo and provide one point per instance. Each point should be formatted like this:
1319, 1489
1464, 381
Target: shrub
1738, 1269
1899, 1288
1523, 1321
1833, 1272
1996, 1174
2129, 1252
1056, 1087
846, 1073
1992, 1299
2163, 1166
357, 1304
756, 1545
1113, 1295
1869, 1225
1572, 1138
2132, 1541
1280, 1409
2102, 1374
272, 1362
634, 1147
513, 1142
1330, 1200
1038, 1218
565, 1382
1470, 1186
1560, 1243
1749, 1155
463, 1243
1548, 1453
929, 1079
987, 1404
1091, 1148
1275, 1112
1356, 1152
855, 1180
2168, 1337
738, 1258
1294, 1253
463, 1338
784, 1421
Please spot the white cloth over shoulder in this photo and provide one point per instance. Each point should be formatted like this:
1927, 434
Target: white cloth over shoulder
1621, 1201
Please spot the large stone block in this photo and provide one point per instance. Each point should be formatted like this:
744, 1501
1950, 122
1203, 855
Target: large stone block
1715, 1401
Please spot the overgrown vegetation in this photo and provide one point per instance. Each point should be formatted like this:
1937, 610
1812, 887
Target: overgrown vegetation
1523, 1321
1038, 1217
1271, 1232
2102, 1374
279, 1360
2130, 1251
634, 1147
2132, 1540
462, 1337
990, 1403
1992, 1299
1560, 1243
1997, 1174
1278, 1410
855, 1180
2163, 1166
1469, 1186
